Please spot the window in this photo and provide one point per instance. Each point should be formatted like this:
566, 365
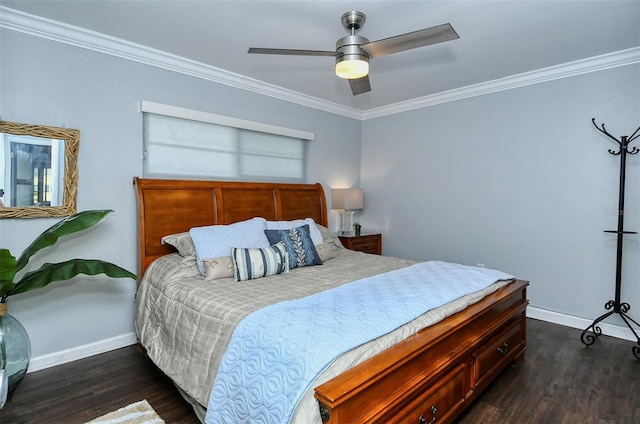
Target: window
186, 143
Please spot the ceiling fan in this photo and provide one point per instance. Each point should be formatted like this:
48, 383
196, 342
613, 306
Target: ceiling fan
353, 51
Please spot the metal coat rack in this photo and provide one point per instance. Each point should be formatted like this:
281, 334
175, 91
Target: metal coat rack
615, 306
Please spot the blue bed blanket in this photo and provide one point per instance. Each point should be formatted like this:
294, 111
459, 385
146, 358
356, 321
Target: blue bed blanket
276, 353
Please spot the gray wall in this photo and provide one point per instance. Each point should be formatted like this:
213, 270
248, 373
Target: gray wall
518, 180
48, 83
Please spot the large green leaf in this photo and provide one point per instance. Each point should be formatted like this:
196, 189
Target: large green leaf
63, 271
7, 271
72, 224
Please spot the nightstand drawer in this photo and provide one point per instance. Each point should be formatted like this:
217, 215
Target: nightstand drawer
367, 243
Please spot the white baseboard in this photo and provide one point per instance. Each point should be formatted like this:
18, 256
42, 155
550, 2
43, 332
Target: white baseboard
619, 331
68, 355
62, 357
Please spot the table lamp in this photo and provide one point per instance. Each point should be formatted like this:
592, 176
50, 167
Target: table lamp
348, 200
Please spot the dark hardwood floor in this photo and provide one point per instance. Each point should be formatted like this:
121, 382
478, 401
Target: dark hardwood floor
560, 381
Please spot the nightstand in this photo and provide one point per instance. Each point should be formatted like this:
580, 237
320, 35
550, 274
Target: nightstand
367, 243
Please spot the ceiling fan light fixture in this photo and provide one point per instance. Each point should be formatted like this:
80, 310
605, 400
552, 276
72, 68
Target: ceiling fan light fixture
353, 51
352, 62
352, 68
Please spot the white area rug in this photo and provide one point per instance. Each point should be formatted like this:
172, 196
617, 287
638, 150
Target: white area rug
136, 413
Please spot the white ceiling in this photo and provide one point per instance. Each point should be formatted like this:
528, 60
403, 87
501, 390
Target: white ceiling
497, 38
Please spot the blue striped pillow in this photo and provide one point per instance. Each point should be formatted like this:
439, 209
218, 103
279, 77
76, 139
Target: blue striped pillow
256, 263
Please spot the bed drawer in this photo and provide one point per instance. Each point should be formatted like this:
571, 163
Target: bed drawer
498, 352
434, 405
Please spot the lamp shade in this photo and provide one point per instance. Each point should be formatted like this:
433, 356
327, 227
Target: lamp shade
347, 198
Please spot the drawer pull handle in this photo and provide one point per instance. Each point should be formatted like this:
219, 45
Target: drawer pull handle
504, 349
423, 420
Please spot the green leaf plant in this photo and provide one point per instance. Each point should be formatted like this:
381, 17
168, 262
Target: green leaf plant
62, 271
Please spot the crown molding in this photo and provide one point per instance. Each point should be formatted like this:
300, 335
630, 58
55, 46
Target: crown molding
79, 37
584, 66
48, 29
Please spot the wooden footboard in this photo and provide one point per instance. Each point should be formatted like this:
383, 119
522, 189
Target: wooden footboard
435, 374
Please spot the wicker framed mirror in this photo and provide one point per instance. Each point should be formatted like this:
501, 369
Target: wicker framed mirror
38, 170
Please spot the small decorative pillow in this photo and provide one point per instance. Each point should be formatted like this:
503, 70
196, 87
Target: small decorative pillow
299, 245
326, 251
220, 267
256, 263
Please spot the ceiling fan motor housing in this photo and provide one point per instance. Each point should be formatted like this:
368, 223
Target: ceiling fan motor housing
348, 48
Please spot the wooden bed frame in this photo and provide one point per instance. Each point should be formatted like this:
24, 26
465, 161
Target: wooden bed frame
429, 377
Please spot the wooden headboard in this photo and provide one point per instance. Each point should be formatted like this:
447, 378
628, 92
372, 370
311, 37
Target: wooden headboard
174, 206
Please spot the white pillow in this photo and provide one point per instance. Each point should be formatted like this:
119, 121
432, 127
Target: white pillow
217, 240
314, 232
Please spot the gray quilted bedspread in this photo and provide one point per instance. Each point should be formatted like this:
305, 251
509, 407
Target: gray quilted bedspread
186, 322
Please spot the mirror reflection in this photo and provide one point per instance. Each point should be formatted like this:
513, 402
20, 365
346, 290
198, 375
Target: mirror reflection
38, 170
31, 171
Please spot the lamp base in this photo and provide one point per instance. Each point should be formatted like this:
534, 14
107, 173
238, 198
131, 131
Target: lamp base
346, 226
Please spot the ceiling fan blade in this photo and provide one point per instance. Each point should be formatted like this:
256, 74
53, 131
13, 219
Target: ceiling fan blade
411, 40
292, 52
360, 85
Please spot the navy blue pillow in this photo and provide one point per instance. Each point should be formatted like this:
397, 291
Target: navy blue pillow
299, 245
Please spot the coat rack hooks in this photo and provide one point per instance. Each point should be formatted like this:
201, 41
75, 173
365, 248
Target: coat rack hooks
590, 334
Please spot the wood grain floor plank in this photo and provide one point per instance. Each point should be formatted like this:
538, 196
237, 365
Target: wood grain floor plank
560, 382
